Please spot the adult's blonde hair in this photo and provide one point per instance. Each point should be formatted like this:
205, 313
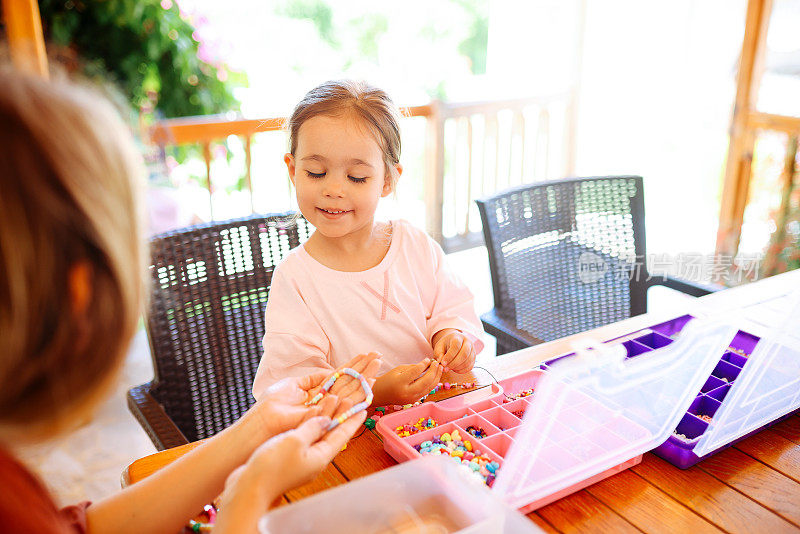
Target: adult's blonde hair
370, 105
69, 177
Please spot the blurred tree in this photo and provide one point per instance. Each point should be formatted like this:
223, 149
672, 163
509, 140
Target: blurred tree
457, 32
316, 11
149, 48
474, 46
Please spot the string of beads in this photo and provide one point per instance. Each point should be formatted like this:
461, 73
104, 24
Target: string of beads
336, 421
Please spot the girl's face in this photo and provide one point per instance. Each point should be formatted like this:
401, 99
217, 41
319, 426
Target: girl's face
339, 175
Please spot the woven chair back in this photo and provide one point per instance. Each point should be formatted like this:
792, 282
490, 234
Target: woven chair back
210, 285
564, 255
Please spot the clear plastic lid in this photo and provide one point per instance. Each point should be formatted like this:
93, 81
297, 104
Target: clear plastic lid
768, 386
599, 409
425, 496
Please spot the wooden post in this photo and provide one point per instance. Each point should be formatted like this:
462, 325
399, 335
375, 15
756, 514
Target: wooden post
469, 174
434, 174
25, 38
207, 158
742, 137
248, 163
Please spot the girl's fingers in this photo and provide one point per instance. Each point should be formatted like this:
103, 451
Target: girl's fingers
429, 372
461, 359
439, 350
410, 373
371, 371
428, 380
455, 345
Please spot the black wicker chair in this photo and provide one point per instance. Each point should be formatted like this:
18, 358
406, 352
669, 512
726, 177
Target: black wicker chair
567, 256
206, 321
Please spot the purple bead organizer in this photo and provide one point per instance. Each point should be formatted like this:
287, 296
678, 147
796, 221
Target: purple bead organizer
678, 449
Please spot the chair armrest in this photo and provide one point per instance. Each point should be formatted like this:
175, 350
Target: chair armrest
159, 427
509, 337
695, 289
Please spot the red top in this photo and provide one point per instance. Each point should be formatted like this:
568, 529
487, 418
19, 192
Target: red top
27, 507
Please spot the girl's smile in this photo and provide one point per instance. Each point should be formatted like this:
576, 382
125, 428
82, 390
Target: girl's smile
334, 214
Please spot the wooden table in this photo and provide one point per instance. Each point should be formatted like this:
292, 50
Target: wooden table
753, 486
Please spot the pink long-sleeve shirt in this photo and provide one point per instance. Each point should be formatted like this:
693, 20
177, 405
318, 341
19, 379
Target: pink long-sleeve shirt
320, 318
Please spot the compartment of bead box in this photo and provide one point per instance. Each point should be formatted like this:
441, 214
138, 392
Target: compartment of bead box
438, 415
453, 440
678, 449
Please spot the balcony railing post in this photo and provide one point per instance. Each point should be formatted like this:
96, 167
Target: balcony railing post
207, 158
469, 174
23, 26
248, 161
434, 172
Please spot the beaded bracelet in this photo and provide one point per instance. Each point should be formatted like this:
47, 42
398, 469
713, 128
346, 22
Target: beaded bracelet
198, 526
353, 410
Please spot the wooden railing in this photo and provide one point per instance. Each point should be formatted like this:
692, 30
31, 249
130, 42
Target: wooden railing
471, 150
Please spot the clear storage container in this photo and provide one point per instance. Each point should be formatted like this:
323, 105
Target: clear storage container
427, 496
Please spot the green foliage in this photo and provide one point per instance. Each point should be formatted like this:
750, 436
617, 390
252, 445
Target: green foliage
316, 11
352, 36
150, 52
784, 243
370, 28
475, 45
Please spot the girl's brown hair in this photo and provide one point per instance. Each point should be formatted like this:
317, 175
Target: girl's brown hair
369, 104
68, 175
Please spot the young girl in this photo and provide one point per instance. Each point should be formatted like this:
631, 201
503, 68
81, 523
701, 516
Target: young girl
360, 285
71, 290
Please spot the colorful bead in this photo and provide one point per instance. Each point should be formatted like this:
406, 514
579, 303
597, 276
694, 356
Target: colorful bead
197, 526
423, 423
521, 394
476, 431
474, 462
369, 423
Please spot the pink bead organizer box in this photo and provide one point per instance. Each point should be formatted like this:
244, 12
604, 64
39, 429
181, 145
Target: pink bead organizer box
589, 417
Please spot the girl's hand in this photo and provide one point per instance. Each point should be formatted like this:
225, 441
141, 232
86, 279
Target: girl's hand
284, 462
406, 384
454, 350
282, 406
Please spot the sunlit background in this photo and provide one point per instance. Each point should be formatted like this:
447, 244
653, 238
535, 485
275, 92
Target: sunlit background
655, 85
